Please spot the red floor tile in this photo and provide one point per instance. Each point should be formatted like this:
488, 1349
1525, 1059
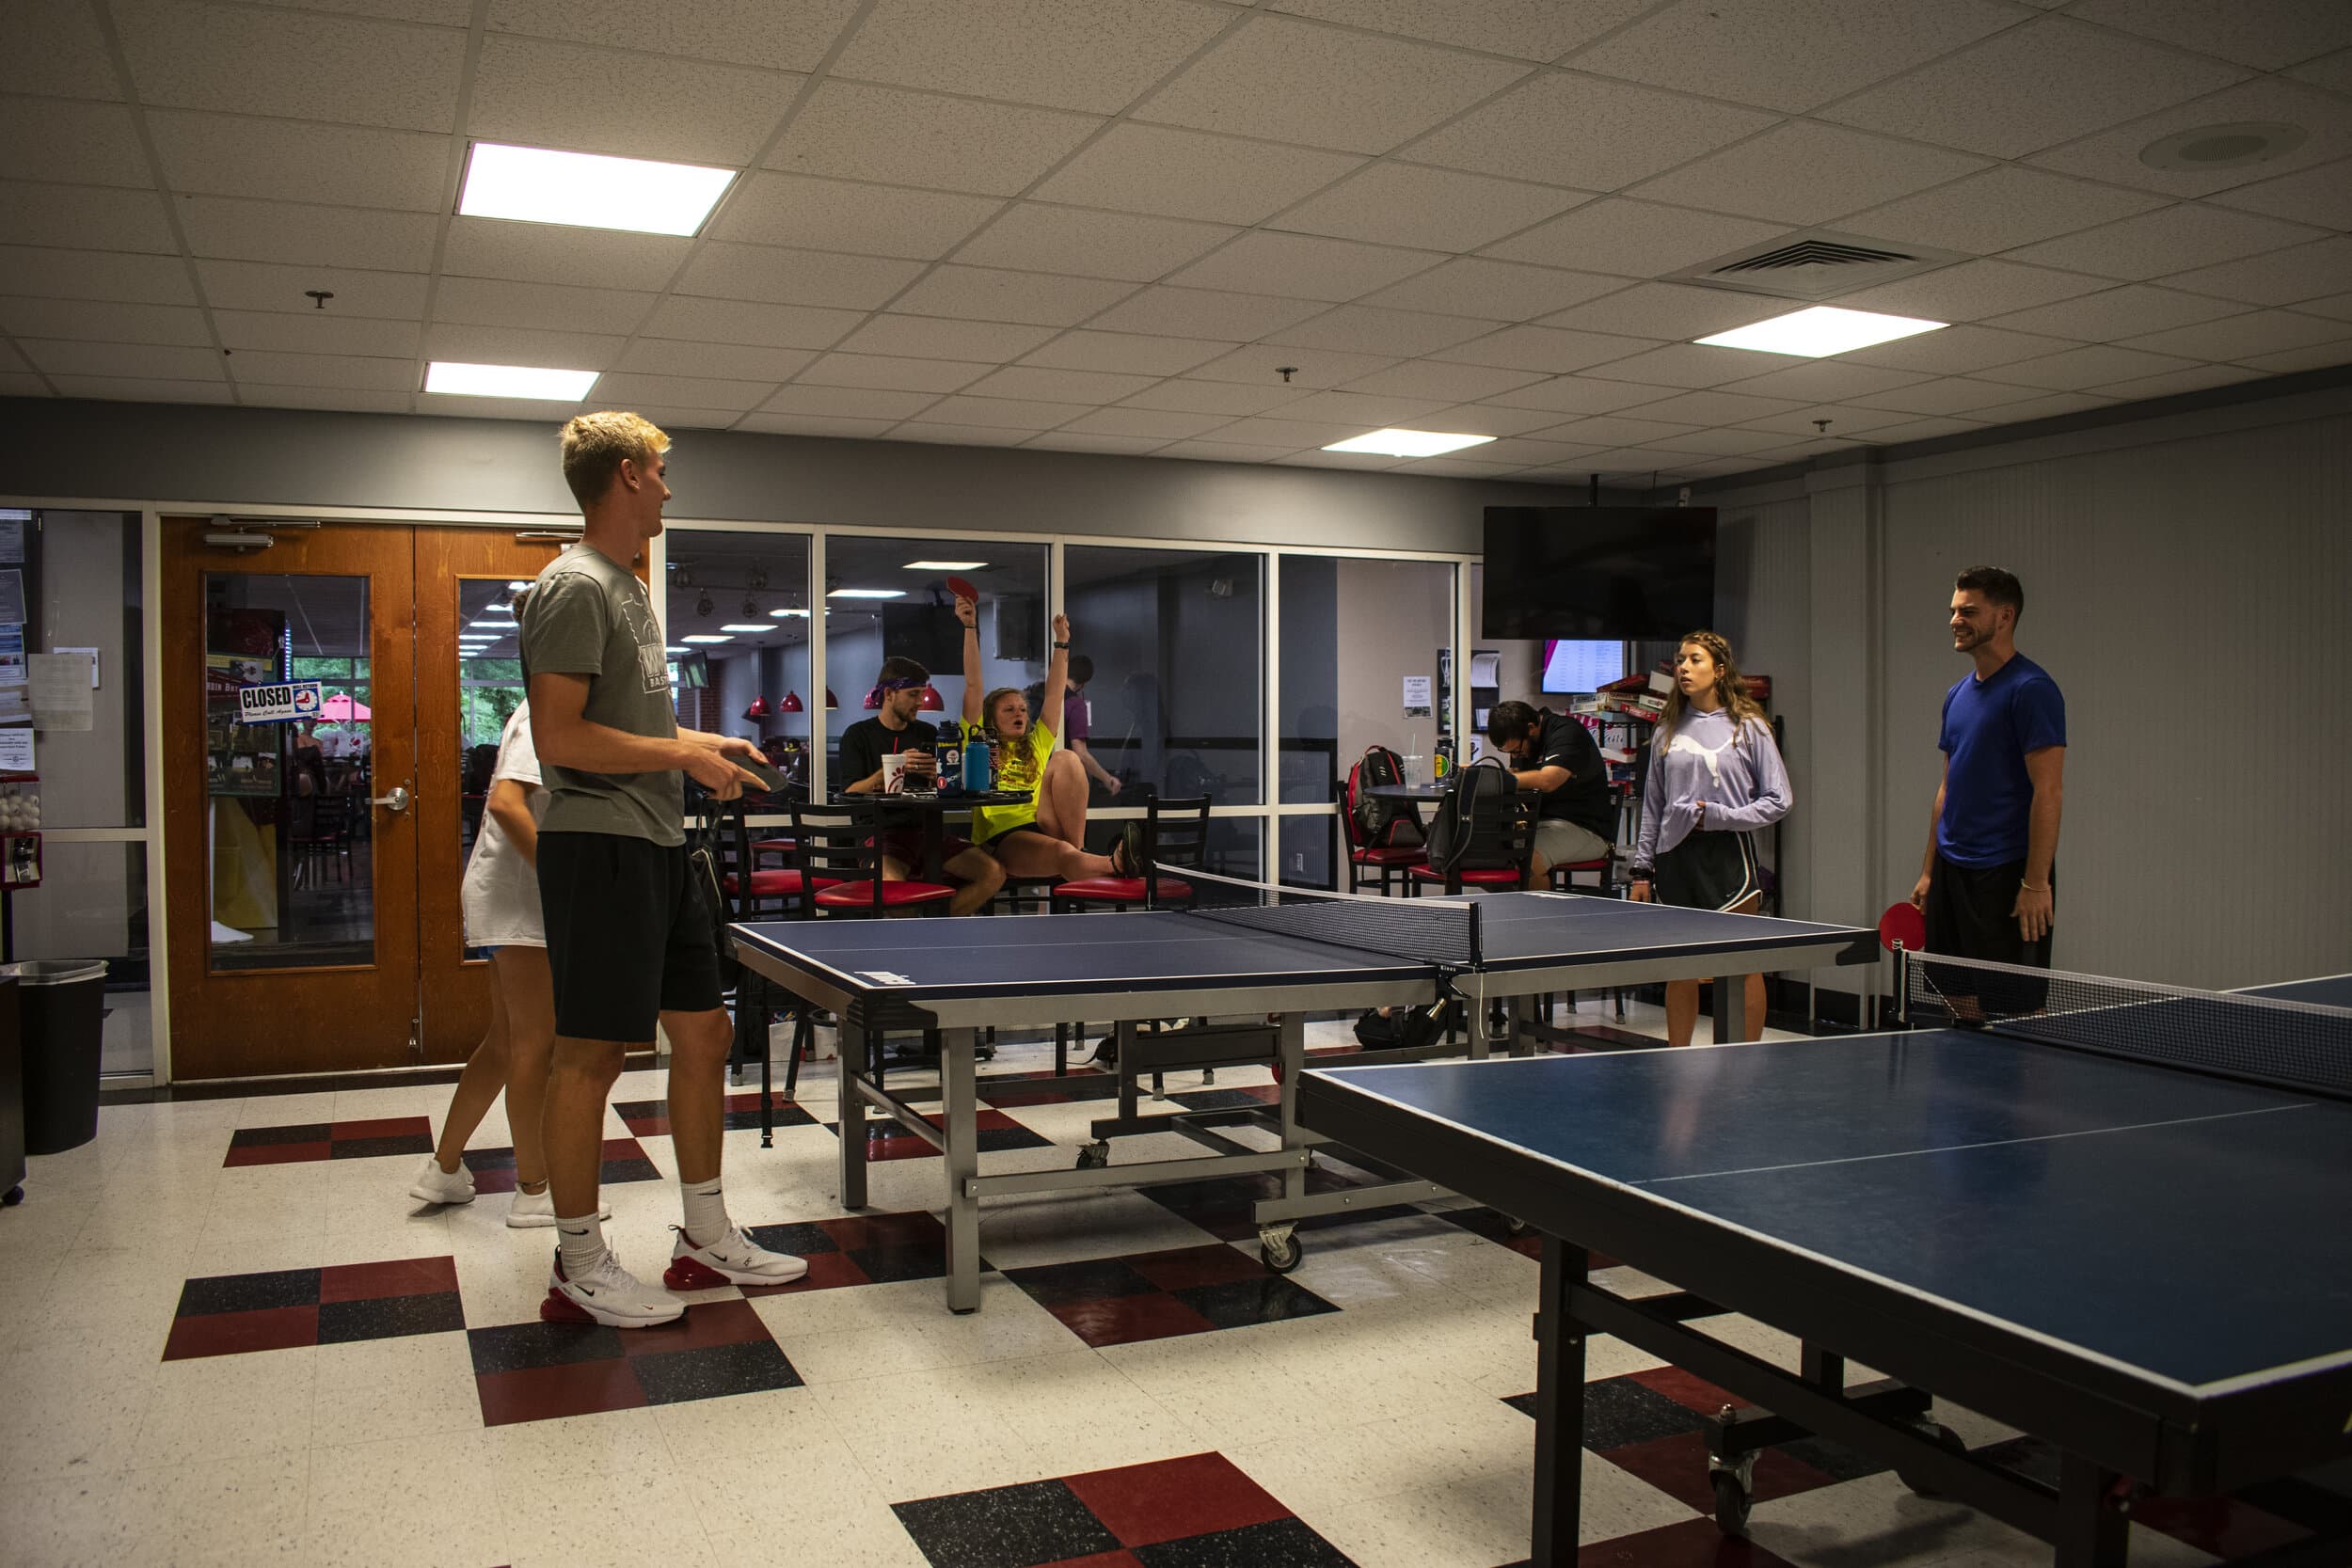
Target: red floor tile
2223, 1527
1677, 1465
1126, 1319
1181, 1267
278, 1154
873, 1230
1143, 1504
235, 1333
1687, 1390
709, 1323
622, 1149
1692, 1544
1100, 1559
540, 1393
398, 1277
384, 1127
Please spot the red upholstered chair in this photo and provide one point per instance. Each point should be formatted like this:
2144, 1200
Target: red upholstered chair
839, 851
1175, 836
1383, 867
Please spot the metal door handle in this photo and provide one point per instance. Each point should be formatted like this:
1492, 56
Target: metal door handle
397, 800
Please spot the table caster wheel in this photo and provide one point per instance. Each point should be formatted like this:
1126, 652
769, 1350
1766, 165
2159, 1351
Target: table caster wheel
13, 1196
1280, 1249
1094, 1156
1731, 1502
1943, 1437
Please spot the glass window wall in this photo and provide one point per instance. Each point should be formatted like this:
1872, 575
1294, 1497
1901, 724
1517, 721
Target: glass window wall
739, 625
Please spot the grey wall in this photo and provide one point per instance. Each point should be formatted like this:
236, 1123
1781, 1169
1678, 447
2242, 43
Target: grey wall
293, 457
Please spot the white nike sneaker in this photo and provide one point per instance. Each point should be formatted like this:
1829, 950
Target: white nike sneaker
734, 1259
606, 1294
435, 1185
531, 1210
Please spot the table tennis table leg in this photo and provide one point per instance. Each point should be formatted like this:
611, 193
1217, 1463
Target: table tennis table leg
959, 1121
2092, 1532
852, 1121
1559, 1407
1731, 1008
1291, 1047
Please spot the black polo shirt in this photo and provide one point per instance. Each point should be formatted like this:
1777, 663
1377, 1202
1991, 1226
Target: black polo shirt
1560, 741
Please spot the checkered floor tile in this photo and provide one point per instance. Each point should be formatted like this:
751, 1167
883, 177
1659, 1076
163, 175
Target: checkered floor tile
1157, 1295
535, 1372
330, 1140
228, 1314
650, 1118
859, 1250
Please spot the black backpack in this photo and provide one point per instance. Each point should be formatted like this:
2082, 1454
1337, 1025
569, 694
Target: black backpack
1479, 819
1381, 824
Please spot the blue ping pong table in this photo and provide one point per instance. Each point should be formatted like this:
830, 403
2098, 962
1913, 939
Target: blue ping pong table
955, 977
2140, 1261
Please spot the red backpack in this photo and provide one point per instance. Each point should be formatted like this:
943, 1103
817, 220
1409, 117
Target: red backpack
1381, 824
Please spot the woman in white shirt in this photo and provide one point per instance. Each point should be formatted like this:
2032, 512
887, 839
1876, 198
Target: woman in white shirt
500, 899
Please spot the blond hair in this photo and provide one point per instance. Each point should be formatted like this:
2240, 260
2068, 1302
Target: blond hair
1729, 690
595, 445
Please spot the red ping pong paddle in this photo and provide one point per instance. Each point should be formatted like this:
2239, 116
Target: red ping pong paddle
962, 588
1903, 925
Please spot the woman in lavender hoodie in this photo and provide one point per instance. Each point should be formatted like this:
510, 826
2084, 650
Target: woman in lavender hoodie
1714, 776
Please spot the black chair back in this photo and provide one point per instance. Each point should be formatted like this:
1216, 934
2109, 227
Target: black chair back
1175, 838
838, 844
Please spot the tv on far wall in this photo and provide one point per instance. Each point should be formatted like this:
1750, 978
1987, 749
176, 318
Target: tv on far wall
1573, 666
1598, 573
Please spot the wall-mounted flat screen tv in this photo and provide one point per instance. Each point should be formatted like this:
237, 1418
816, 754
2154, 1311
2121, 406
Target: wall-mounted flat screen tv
1632, 573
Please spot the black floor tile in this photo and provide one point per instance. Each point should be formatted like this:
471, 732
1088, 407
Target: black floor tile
995, 1140
1276, 1543
1089, 1279
249, 1293
307, 1133
1619, 1412
376, 1149
1220, 1100
629, 1170
515, 1347
389, 1317
886, 1266
783, 1115
713, 1371
801, 1240
1836, 1461
1237, 1303
1004, 1527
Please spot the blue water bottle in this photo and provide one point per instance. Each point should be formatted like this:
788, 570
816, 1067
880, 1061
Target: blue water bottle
975, 766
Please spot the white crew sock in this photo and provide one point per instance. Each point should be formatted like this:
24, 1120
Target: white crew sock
581, 1244
706, 1208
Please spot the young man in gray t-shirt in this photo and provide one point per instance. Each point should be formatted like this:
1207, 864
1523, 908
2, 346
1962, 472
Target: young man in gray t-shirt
630, 934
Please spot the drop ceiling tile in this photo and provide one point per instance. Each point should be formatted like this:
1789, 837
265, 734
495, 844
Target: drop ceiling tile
1528, 452
1360, 408
672, 418
726, 361
2323, 357
1996, 210
1370, 462
294, 64
1189, 174
351, 370
1127, 353
1222, 452
1457, 467
113, 321
1918, 429
2321, 194
1689, 365
316, 332
1030, 237
2121, 312
445, 406
140, 388
1493, 419
65, 357
1003, 413
2244, 336
1970, 290
1226, 399
351, 400
743, 32
1047, 385
1586, 132
1571, 395
1204, 313
1292, 81
234, 228
1156, 424
1716, 443
1259, 364
2333, 72
1618, 430
1828, 381
2173, 239
83, 144
1291, 433
1789, 54
1668, 311
2338, 308
1635, 239
1427, 378
215, 155
854, 131
959, 435
1958, 350
1405, 204
2033, 88
32, 270
681, 392
103, 217
938, 337
2267, 37
56, 49
1091, 55
1505, 290
1525, 30
2282, 278
883, 372
813, 424
983, 294
1845, 420
1545, 348
472, 344
550, 253
2172, 383
1955, 394
2047, 407
775, 276
717, 321
1806, 173
1074, 440
550, 308
1303, 266
848, 403
1364, 329
833, 215
263, 285
2114, 155
1716, 408
544, 93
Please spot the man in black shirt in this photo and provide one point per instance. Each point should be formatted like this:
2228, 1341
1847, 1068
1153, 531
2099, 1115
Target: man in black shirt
1577, 819
896, 731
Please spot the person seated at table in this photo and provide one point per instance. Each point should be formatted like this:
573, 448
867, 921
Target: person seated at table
1045, 834
897, 732
1577, 819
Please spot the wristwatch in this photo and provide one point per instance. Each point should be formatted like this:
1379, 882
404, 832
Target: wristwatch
1061, 644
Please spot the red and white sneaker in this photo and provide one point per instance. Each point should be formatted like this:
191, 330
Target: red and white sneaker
606, 1294
734, 1259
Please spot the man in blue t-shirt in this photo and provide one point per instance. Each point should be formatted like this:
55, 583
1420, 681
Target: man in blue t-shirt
1986, 884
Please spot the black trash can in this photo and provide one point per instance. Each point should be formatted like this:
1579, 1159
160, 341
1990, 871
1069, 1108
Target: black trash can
11, 1098
63, 1009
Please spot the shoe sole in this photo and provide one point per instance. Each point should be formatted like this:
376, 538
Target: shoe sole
560, 1308
423, 1197
693, 1273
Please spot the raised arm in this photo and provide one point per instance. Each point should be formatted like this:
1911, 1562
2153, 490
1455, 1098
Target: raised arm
1057, 677
968, 611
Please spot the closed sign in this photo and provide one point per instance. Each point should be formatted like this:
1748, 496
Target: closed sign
275, 704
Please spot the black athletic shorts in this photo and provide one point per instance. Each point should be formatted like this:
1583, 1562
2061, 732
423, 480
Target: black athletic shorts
1971, 914
629, 935
1707, 871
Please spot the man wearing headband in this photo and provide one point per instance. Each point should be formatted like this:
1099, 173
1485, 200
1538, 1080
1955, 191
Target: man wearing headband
896, 731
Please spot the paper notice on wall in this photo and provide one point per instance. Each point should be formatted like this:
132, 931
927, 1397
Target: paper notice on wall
59, 684
90, 653
11, 655
12, 598
1485, 669
12, 541
16, 751
1417, 698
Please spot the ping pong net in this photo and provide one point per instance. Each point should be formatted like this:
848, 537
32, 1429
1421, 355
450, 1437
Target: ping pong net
2295, 1045
1438, 931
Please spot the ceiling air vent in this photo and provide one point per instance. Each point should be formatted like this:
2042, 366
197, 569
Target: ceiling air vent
1815, 265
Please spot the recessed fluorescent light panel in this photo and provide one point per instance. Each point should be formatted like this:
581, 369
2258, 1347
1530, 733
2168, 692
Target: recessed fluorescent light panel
789, 615
1822, 331
704, 637
946, 565
867, 594
508, 381
1408, 443
747, 628
532, 184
